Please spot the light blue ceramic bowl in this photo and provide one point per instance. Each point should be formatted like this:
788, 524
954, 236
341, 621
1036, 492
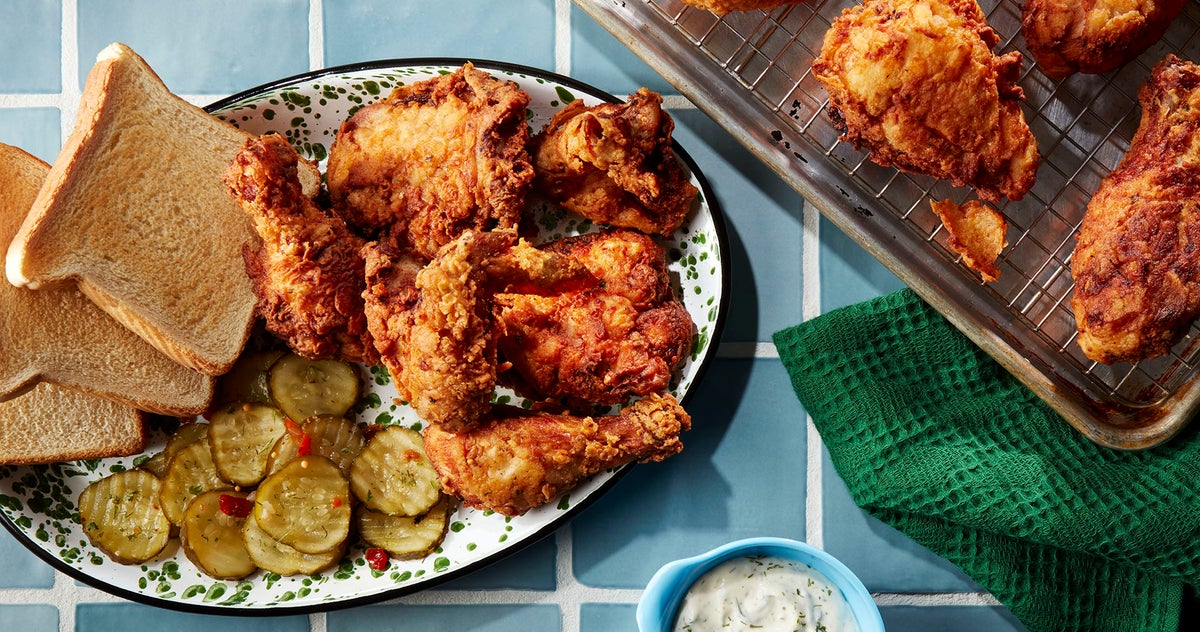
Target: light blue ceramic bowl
664, 593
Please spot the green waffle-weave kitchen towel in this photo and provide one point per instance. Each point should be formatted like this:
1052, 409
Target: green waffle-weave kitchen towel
936, 439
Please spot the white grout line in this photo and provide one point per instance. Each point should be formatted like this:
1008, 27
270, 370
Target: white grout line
562, 37
316, 36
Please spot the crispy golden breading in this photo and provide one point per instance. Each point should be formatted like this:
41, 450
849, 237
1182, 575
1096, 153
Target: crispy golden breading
1093, 36
916, 84
434, 326
977, 233
434, 159
603, 344
721, 7
1137, 260
613, 164
307, 274
517, 460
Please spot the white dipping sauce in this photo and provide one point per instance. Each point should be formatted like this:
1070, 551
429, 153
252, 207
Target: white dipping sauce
764, 593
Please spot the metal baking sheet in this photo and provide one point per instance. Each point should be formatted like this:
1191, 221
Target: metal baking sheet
750, 71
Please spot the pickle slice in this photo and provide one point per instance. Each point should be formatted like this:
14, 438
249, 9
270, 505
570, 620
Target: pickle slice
305, 505
336, 438
184, 435
242, 437
302, 388
212, 539
393, 475
246, 381
273, 556
190, 473
121, 516
405, 537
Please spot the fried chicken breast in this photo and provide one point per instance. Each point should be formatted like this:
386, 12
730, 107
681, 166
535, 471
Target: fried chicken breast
915, 83
1093, 36
432, 160
599, 345
307, 274
1136, 264
517, 460
613, 163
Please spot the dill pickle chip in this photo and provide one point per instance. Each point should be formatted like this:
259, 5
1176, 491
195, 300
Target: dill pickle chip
122, 517
405, 537
190, 473
242, 437
246, 381
273, 556
212, 538
184, 435
305, 505
302, 388
331, 436
393, 475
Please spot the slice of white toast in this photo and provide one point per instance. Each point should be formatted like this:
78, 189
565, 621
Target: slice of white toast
51, 423
55, 334
134, 212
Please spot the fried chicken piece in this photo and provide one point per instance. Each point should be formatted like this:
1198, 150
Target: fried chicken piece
433, 325
977, 233
916, 84
307, 274
722, 7
517, 460
434, 159
1137, 259
600, 345
1093, 36
613, 164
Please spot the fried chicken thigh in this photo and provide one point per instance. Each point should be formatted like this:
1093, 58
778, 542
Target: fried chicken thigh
613, 164
307, 275
1137, 261
517, 460
432, 160
916, 84
600, 345
1093, 36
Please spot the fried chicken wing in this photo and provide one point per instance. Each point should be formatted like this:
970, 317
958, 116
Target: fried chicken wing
613, 164
916, 84
604, 344
1136, 264
517, 460
307, 274
434, 159
1093, 36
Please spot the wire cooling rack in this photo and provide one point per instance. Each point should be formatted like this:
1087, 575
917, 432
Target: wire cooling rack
750, 71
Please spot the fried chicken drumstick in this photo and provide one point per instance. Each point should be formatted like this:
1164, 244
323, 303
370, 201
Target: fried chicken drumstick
1137, 261
1093, 36
916, 84
517, 459
307, 275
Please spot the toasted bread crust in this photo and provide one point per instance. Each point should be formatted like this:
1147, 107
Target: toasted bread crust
134, 210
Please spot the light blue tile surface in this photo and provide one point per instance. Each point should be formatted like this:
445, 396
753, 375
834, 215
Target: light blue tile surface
850, 274
36, 130
600, 59
361, 30
477, 618
763, 217
713, 491
111, 617
30, 45
194, 46
949, 619
607, 617
531, 568
35, 618
21, 569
